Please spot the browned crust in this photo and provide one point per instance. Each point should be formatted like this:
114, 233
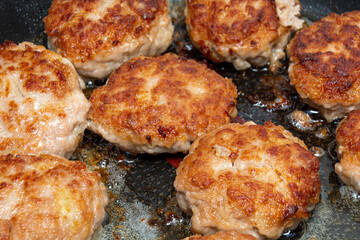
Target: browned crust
279, 182
44, 189
223, 235
128, 108
348, 140
35, 87
238, 23
80, 38
41, 70
348, 147
348, 132
326, 60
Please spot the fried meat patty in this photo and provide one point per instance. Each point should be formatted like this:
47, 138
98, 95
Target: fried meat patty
325, 64
43, 109
154, 105
99, 35
223, 235
49, 197
253, 179
244, 32
348, 141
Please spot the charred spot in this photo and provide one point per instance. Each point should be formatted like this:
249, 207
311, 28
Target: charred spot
115, 42
231, 52
10, 157
138, 30
3, 185
289, 211
148, 138
163, 131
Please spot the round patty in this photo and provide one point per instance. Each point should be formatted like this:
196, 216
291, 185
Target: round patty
43, 109
348, 140
245, 32
254, 179
49, 197
97, 36
223, 235
155, 105
325, 64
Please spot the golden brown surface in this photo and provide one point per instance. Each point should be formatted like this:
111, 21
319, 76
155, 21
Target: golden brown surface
107, 32
250, 178
348, 140
325, 63
241, 32
49, 197
223, 235
161, 104
43, 109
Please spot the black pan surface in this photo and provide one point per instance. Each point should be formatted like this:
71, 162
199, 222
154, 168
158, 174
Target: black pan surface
142, 203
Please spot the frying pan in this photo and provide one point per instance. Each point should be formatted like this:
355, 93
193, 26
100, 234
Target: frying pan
142, 199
